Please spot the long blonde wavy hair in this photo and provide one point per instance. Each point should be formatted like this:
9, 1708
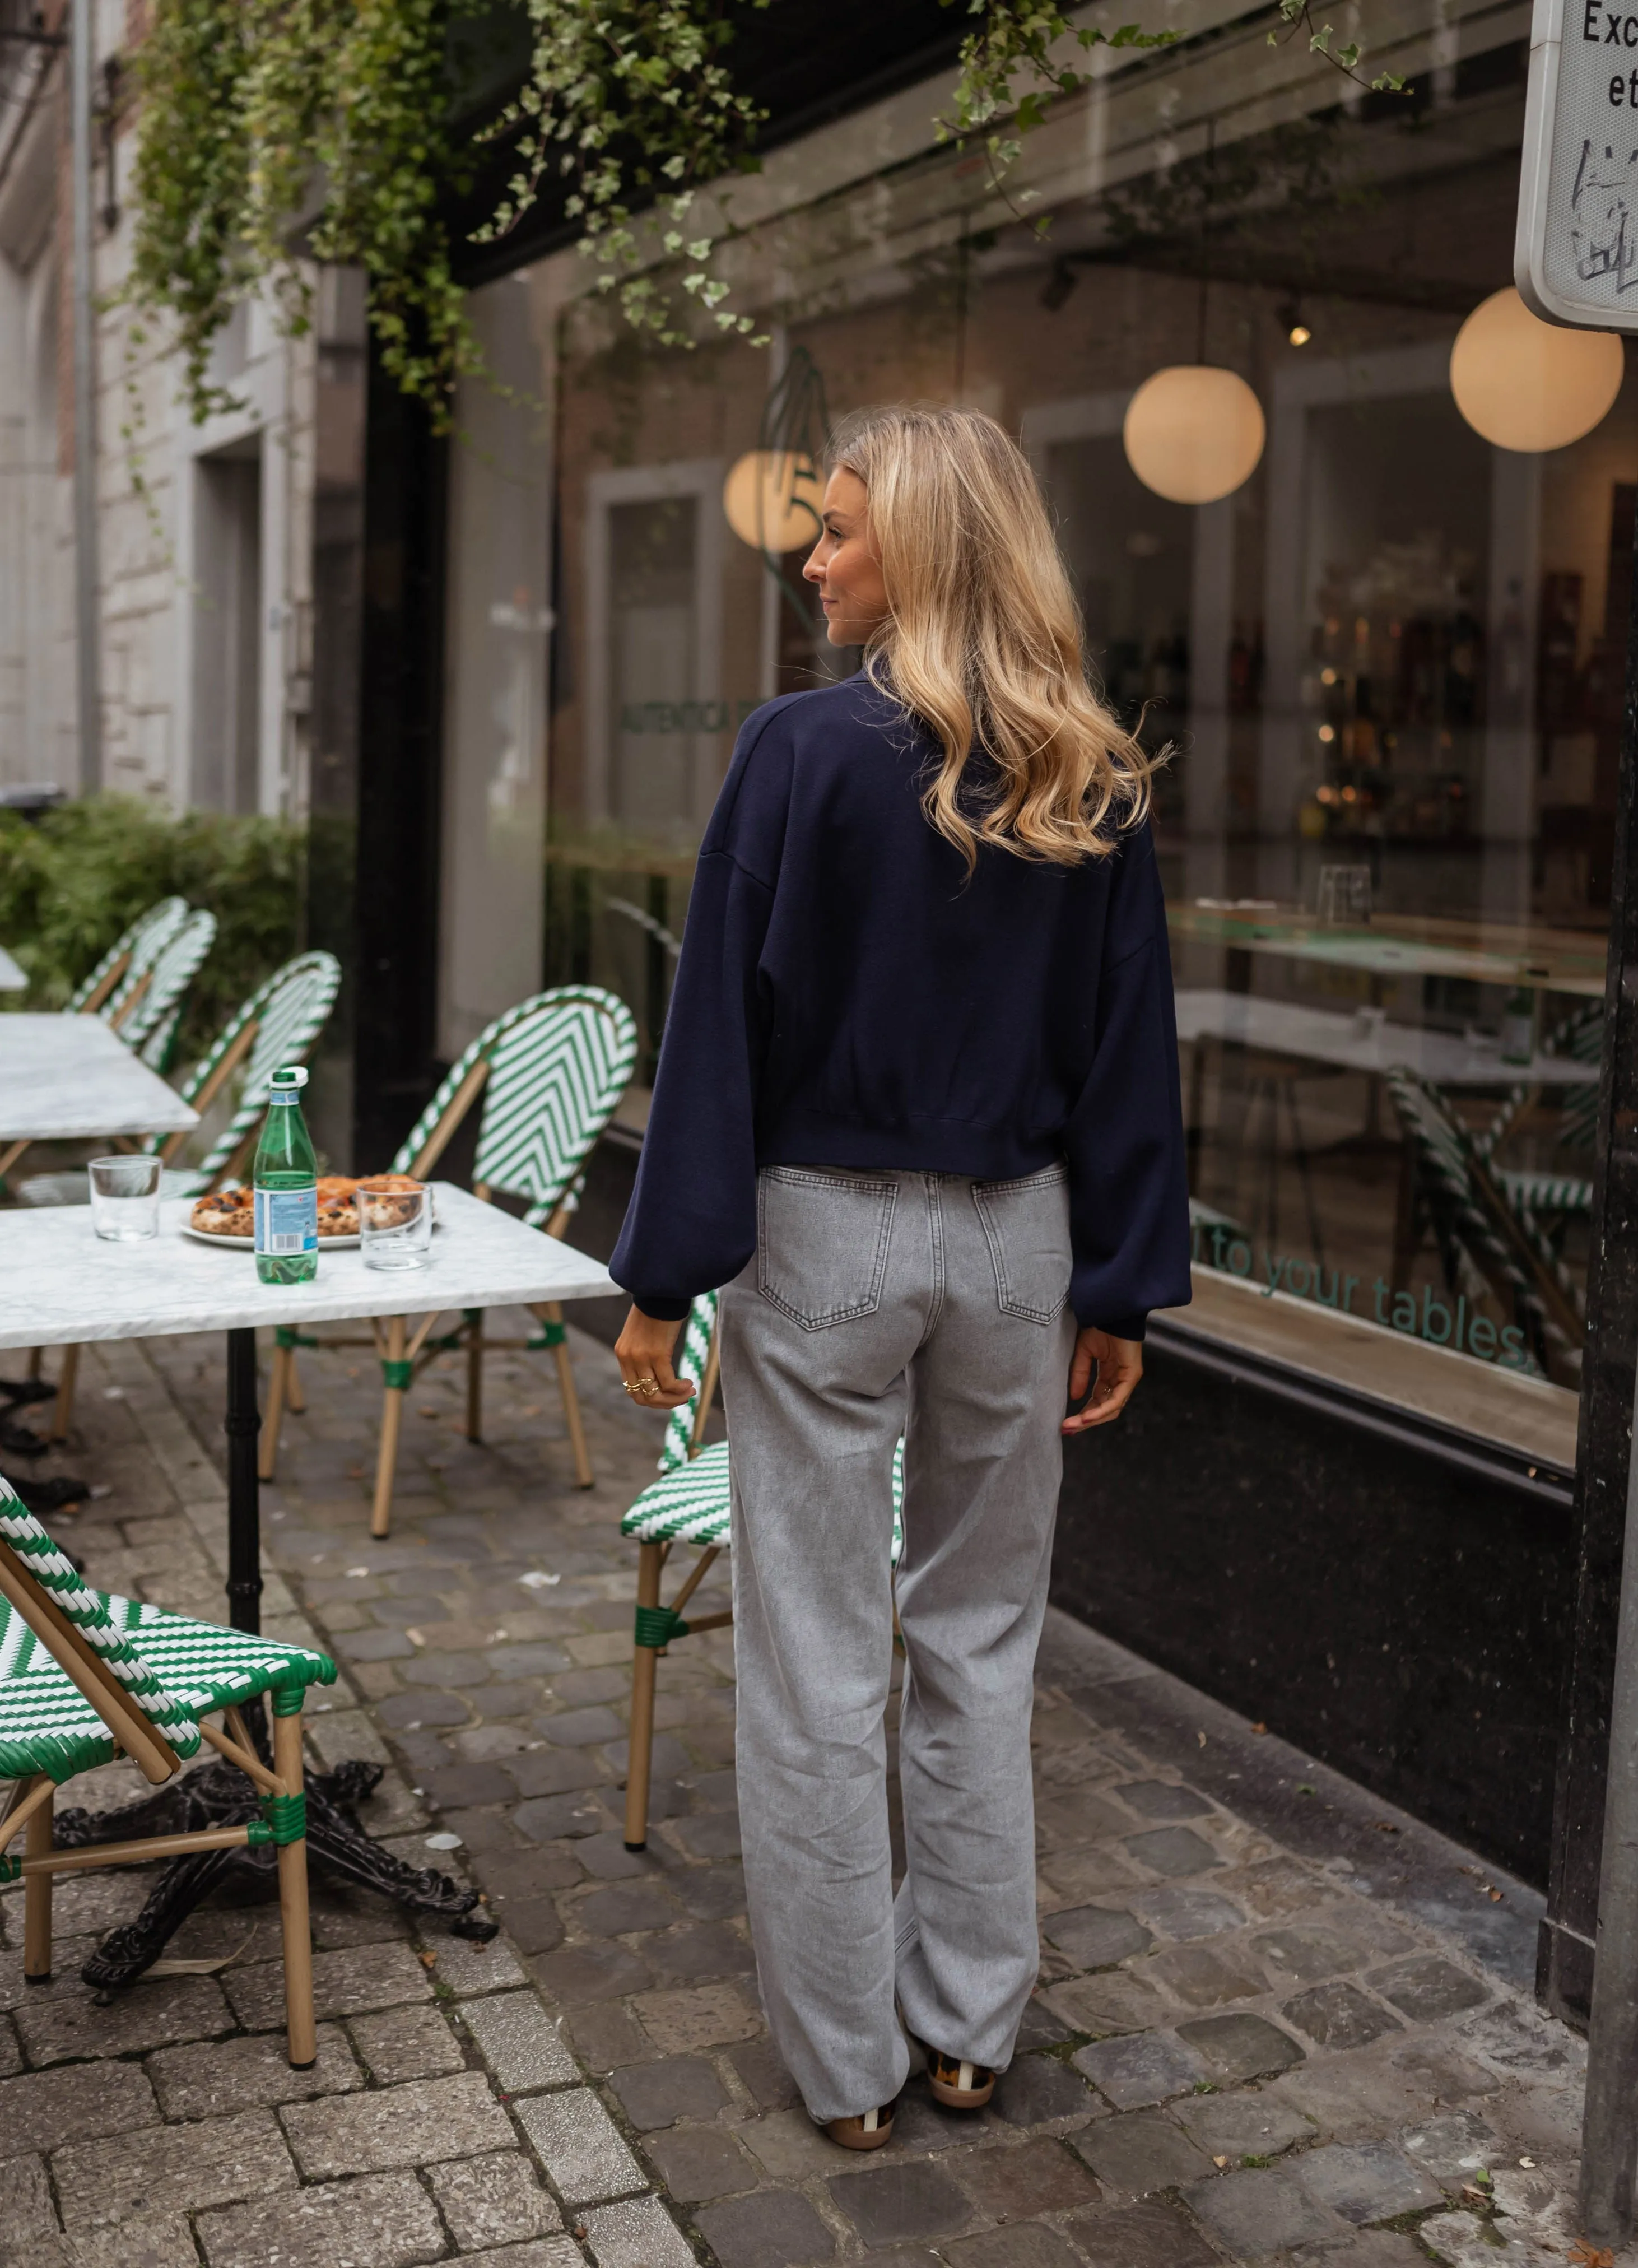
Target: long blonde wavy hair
982, 640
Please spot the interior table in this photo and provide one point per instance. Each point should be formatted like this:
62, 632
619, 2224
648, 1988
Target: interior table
1365, 1042
65, 1287
12, 977
70, 1078
1397, 945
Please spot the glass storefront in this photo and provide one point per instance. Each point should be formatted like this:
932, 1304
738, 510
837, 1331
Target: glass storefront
1387, 664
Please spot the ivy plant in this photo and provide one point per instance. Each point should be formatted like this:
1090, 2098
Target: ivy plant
274, 134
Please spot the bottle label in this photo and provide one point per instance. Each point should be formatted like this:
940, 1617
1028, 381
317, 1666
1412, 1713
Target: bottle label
287, 1221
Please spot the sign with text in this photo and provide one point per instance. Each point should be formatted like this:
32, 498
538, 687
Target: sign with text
1576, 260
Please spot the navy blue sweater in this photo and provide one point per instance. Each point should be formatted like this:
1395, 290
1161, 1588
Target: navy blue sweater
847, 997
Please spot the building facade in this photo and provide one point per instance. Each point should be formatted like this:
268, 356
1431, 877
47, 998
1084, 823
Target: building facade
205, 536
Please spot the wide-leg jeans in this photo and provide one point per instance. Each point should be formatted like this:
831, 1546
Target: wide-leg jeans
881, 1304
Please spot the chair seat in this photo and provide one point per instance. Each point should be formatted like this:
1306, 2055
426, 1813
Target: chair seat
692, 1504
47, 1727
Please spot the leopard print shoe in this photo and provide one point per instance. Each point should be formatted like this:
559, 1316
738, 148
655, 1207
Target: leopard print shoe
958, 2085
866, 2133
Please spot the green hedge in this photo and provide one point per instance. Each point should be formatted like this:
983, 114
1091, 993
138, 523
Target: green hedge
71, 881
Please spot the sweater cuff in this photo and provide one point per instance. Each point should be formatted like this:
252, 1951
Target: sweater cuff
1119, 1326
658, 1310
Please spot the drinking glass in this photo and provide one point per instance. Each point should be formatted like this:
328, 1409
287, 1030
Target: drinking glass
1344, 897
395, 1224
125, 1198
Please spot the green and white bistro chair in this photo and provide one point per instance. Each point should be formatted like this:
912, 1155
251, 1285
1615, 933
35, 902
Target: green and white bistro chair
278, 1024
1480, 1232
1559, 1197
551, 1071
131, 952
120, 983
86, 1676
691, 1503
146, 1019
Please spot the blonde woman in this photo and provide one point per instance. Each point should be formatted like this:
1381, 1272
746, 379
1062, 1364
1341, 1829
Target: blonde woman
917, 1109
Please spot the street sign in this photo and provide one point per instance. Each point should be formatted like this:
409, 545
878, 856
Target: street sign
1576, 257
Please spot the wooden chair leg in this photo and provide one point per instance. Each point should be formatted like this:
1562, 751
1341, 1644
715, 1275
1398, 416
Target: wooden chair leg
63, 1407
394, 1373
474, 1374
273, 1416
295, 1400
583, 1476
297, 1933
37, 1899
644, 1668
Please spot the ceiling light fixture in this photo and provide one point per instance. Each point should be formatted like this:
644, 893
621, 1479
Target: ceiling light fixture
1529, 385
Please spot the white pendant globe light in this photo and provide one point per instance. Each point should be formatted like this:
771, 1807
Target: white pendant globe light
771, 500
1193, 432
1525, 385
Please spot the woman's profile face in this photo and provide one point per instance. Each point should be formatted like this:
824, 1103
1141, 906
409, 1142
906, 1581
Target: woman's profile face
845, 566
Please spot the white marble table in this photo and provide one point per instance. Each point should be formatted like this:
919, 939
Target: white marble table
1353, 1043
64, 1286
12, 977
66, 1079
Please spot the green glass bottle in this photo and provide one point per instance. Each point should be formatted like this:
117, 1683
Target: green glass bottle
286, 1180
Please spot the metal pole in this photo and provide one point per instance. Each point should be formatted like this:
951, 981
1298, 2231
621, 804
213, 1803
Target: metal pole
1609, 2139
87, 625
243, 1426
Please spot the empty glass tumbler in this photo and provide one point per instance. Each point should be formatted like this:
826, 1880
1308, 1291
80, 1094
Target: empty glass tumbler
125, 1198
1344, 897
395, 1223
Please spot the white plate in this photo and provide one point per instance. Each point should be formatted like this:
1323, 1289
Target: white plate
248, 1243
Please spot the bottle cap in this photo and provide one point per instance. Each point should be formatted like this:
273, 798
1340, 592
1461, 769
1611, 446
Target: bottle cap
293, 1075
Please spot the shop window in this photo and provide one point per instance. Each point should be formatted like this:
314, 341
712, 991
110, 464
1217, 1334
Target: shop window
1386, 667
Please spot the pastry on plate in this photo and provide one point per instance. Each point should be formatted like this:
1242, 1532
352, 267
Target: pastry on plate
231, 1213
225, 1212
338, 1208
385, 1193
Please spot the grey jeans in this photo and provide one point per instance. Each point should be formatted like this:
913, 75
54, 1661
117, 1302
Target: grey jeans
880, 1304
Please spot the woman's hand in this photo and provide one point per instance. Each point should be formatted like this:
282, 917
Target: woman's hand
644, 1351
1118, 1364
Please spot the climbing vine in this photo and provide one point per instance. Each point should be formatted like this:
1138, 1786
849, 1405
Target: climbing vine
275, 133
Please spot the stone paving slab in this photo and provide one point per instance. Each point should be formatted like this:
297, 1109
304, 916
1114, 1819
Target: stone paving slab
1247, 2044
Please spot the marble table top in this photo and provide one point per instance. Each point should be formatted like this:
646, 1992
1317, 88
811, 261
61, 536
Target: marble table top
64, 1285
69, 1078
12, 977
1365, 1042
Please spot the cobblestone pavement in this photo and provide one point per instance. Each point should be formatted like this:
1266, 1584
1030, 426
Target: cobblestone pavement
1276, 2022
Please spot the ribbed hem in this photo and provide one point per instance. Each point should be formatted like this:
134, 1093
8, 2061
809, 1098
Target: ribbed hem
658, 1310
920, 1145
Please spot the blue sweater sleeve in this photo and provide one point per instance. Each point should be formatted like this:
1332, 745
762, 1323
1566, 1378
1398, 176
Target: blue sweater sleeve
1129, 1181
691, 1225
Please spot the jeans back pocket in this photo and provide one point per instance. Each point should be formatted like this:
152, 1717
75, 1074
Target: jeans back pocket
1026, 1225
822, 1239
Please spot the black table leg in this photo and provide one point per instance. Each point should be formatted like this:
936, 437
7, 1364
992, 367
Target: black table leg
243, 1427
217, 1794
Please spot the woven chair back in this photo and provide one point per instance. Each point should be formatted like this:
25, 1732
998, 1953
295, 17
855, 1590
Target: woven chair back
1472, 1217
152, 1013
1580, 1037
690, 1362
56, 1576
289, 1010
144, 937
558, 1065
